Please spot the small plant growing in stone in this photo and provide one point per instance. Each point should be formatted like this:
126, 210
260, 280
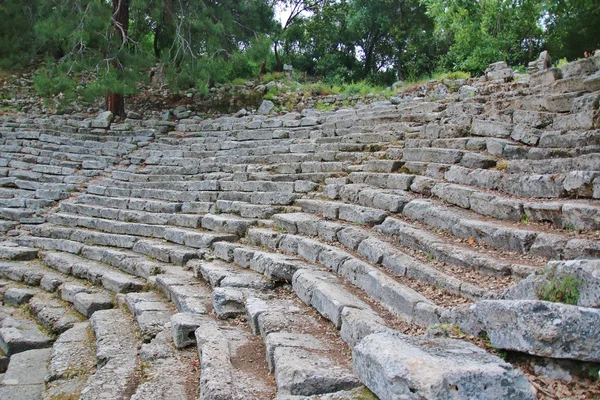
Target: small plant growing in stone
524, 219
570, 228
501, 165
559, 288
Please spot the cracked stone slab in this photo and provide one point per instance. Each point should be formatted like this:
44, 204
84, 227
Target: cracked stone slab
24, 379
18, 334
537, 327
89, 303
116, 354
300, 371
396, 366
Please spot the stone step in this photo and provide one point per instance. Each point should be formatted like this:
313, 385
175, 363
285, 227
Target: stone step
125, 203
397, 291
580, 184
187, 294
211, 185
95, 272
19, 333
466, 225
272, 172
227, 371
44, 243
132, 216
16, 193
265, 198
553, 165
12, 252
165, 251
118, 364
221, 345
444, 156
127, 261
568, 139
391, 365
426, 170
317, 288
170, 373
56, 315
72, 361
15, 295
189, 237
151, 311
24, 378
82, 235
570, 339
391, 200
7, 226
573, 214
245, 209
231, 285
419, 239
228, 223
303, 358
33, 274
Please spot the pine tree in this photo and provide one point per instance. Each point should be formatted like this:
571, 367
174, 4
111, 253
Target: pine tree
115, 102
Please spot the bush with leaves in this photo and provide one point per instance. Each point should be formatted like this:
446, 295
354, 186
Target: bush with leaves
559, 288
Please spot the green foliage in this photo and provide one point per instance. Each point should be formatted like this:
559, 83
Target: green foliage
451, 75
352, 46
487, 31
52, 82
322, 106
572, 28
17, 43
594, 373
238, 81
272, 76
560, 288
561, 62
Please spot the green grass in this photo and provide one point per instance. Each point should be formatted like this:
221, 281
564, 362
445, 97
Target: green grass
321, 106
272, 76
451, 75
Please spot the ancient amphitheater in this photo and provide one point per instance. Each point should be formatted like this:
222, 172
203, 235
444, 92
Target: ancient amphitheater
321, 255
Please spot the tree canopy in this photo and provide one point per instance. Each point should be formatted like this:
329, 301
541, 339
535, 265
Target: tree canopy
89, 48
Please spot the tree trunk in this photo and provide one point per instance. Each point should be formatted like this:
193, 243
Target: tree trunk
115, 102
279, 66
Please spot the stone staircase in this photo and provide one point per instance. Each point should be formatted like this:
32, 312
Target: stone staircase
311, 255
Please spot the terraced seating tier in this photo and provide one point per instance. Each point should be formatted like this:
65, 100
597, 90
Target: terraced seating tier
312, 255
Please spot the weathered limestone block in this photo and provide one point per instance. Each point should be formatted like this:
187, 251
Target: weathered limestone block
396, 366
536, 327
545, 77
103, 120
586, 272
583, 67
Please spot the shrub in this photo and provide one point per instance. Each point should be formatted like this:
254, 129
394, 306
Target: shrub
562, 62
559, 288
452, 75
